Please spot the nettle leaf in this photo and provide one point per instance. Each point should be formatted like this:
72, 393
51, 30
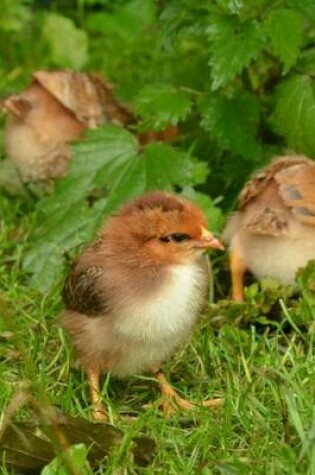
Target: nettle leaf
108, 164
233, 45
159, 166
294, 113
167, 167
161, 105
68, 44
103, 151
233, 122
285, 29
44, 262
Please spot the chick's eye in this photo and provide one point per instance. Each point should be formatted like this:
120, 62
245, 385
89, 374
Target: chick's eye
175, 237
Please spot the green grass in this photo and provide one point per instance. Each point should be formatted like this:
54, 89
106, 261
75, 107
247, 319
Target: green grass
263, 372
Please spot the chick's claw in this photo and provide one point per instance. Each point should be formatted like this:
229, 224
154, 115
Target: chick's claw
100, 414
171, 400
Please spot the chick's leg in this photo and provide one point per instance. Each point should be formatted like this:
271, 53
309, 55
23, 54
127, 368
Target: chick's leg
238, 269
172, 400
99, 411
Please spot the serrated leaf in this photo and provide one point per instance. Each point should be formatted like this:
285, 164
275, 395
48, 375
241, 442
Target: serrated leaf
65, 229
294, 113
233, 45
285, 29
233, 122
44, 262
68, 44
160, 166
70, 224
103, 151
161, 105
167, 166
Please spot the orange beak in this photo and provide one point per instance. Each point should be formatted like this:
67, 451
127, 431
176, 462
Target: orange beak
207, 240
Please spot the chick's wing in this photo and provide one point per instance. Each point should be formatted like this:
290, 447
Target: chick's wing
297, 189
284, 187
82, 291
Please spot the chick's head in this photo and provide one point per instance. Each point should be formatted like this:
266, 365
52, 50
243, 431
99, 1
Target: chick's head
160, 228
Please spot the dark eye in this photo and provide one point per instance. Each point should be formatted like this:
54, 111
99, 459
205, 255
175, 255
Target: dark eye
175, 237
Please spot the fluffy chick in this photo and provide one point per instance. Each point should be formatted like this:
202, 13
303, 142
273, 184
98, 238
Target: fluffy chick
273, 233
134, 295
54, 110
37, 134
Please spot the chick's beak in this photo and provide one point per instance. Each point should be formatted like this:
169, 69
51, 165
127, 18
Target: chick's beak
207, 240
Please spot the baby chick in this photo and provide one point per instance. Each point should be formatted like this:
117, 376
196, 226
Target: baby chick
134, 295
273, 233
54, 110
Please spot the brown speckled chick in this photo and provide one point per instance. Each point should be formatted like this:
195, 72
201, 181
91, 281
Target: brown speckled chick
273, 233
134, 295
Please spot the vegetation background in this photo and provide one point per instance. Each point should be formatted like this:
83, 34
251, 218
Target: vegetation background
237, 79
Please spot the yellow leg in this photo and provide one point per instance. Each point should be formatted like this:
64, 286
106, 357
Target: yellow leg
99, 411
238, 268
171, 399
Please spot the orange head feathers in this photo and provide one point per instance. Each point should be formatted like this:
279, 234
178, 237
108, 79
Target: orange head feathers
163, 227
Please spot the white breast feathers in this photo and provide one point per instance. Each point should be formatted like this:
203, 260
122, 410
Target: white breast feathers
171, 311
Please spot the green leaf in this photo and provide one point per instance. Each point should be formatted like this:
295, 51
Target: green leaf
67, 228
233, 45
285, 29
102, 152
160, 166
78, 457
295, 415
68, 44
294, 113
233, 122
44, 262
161, 105
71, 224
167, 167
